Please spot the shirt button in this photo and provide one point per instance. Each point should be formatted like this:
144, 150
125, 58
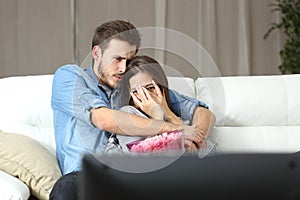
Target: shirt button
78, 97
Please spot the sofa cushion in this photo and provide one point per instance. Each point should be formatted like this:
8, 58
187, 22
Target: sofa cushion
252, 100
211, 92
182, 85
25, 106
24, 95
28, 160
292, 82
43, 135
12, 188
259, 139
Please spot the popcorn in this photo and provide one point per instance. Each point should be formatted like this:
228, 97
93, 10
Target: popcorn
168, 141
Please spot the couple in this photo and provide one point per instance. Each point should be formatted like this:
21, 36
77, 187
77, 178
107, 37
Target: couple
85, 104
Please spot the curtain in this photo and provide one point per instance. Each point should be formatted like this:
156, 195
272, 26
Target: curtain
230, 31
36, 36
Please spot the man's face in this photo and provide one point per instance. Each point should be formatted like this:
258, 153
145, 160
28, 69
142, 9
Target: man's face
113, 62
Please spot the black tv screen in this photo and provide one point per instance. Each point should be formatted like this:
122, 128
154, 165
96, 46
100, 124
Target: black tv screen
224, 176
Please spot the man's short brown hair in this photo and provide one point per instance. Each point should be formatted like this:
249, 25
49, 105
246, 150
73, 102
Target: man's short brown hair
118, 29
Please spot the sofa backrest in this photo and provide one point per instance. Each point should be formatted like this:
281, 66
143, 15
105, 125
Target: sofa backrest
25, 108
183, 85
254, 113
253, 100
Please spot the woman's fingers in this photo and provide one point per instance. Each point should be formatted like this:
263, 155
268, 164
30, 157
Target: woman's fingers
136, 100
143, 98
141, 94
157, 89
146, 94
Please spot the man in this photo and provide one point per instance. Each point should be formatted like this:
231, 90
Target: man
84, 103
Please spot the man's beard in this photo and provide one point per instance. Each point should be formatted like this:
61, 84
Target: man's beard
104, 77
101, 74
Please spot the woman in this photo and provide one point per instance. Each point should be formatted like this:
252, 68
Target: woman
144, 91
145, 87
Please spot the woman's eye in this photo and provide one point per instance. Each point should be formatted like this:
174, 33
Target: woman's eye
150, 88
118, 58
133, 91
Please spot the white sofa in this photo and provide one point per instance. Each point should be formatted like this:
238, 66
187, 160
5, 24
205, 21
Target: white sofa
255, 114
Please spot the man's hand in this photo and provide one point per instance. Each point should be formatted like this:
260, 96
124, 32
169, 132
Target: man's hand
193, 149
204, 119
190, 135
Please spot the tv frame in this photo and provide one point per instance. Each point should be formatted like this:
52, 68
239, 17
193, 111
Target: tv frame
221, 176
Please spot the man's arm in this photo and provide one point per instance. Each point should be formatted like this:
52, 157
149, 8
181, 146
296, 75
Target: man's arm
123, 123
204, 119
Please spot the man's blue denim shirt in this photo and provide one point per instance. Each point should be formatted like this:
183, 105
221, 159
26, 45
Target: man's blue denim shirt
75, 91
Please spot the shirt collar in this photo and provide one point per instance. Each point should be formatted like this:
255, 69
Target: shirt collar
91, 74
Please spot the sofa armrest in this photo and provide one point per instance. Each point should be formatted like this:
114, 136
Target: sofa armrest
12, 187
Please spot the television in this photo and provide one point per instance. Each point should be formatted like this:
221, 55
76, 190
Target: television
221, 176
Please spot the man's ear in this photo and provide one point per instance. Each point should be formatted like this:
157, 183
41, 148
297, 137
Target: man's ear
96, 53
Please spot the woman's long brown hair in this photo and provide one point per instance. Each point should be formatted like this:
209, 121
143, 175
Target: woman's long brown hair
148, 65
